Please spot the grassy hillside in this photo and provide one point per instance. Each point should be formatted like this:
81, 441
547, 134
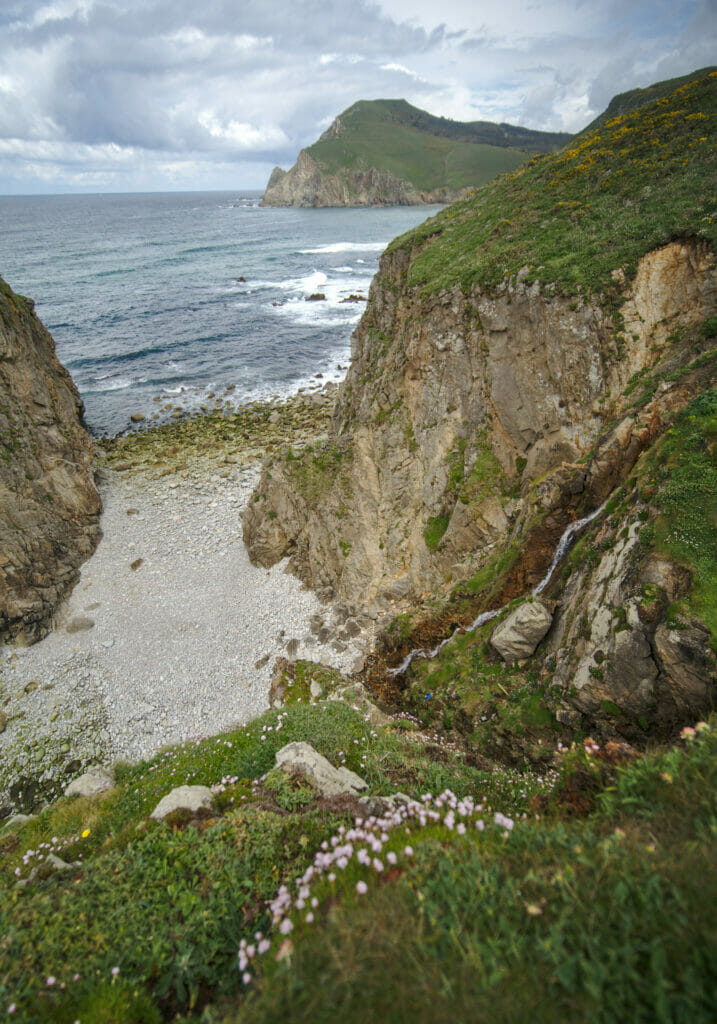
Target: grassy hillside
556, 893
573, 217
429, 152
633, 99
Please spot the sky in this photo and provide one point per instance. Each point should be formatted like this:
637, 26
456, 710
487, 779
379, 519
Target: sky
161, 95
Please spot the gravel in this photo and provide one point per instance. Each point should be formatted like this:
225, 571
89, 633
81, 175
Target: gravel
170, 633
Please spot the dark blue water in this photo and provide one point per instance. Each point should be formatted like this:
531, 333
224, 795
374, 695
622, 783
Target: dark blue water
142, 297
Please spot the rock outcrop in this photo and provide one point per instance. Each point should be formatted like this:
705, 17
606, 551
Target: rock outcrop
320, 773
466, 418
49, 506
307, 184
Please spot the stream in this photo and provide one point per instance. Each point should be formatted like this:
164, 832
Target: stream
561, 550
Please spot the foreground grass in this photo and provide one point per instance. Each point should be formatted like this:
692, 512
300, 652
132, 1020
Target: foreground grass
602, 919
167, 904
524, 910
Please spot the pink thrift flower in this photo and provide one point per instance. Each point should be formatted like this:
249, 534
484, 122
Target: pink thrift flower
408, 851
50, 981
361, 888
286, 926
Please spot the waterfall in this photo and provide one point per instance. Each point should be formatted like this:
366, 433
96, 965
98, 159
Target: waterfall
561, 550
563, 544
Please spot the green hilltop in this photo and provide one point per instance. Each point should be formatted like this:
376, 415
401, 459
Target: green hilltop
572, 218
429, 152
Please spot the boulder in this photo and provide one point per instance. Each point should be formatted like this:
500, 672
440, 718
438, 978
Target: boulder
184, 798
329, 781
518, 636
96, 781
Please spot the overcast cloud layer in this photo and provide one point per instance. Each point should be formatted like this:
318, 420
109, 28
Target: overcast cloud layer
131, 95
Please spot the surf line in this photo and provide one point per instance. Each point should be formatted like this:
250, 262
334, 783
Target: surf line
561, 550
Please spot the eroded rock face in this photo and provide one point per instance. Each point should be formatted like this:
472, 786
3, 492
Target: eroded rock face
453, 399
623, 670
306, 184
49, 506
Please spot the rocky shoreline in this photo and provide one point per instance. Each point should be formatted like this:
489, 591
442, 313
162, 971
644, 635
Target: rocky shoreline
171, 632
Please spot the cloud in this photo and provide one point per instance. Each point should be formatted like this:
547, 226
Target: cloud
190, 93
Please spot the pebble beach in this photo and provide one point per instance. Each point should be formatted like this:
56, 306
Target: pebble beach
170, 632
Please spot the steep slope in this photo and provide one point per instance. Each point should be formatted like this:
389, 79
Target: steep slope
49, 506
500, 339
387, 152
633, 99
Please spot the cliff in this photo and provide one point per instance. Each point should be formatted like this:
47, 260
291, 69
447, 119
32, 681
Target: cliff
491, 399
388, 153
307, 184
49, 506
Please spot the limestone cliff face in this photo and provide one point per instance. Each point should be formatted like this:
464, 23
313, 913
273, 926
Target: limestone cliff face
49, 506
466, 418
306, 184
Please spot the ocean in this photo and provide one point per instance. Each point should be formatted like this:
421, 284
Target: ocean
163, 301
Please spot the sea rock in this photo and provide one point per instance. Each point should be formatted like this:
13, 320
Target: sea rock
520, 633
184, 798
98, 780
50, 507
329, 781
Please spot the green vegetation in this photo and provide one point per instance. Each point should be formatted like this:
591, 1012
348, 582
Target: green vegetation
428, 152
681, 477
435, 530
167, 903
315, 472
601, 919
633, 99
563, 899
573, 217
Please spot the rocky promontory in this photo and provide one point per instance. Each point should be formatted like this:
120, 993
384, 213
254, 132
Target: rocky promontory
307, 184
49, 505
389, 153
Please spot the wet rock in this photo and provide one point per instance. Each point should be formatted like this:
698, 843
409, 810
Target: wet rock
137, 417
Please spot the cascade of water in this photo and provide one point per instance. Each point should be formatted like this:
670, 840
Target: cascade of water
563, 545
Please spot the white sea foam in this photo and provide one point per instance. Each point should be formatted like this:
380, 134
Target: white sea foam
118, 384
345, 247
